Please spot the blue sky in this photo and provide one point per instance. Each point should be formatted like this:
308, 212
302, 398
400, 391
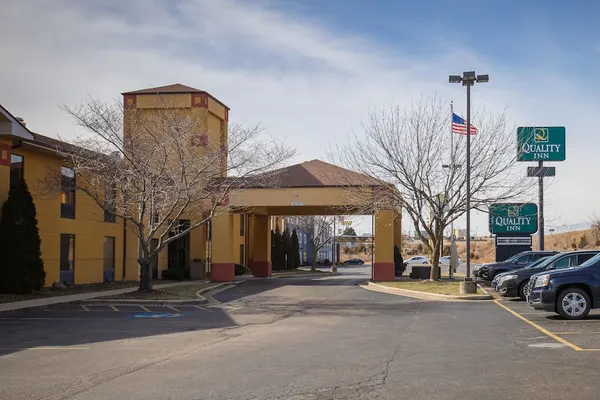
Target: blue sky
309, 70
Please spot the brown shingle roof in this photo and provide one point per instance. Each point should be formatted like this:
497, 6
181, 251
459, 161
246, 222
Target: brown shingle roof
173, 89
317, 173
176, 88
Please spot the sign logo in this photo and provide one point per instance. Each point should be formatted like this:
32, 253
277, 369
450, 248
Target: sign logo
518, 218
541, 143
541, 135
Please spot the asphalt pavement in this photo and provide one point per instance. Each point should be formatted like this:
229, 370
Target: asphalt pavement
292, 338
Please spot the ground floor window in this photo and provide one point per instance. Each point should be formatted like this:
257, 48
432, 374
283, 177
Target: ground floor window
67, 252
242, 254
109, 253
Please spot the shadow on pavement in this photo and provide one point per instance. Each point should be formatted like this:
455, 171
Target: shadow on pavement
60, 326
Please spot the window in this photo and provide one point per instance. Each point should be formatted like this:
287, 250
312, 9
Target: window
67, 193
109, 253
524, 259
584, 257
242, 224
16, 169
110, 202
565, 262
67, 252
242, 254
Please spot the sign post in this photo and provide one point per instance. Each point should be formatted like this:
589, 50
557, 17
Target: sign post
541, 144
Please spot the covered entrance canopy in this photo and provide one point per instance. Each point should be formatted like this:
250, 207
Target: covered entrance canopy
310, 188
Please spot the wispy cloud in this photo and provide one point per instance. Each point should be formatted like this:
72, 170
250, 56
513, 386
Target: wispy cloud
301, 79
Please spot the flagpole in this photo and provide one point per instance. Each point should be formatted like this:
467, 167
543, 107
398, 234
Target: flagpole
452, 244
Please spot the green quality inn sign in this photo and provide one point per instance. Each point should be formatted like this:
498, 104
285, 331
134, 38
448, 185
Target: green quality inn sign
541, 143
513, 218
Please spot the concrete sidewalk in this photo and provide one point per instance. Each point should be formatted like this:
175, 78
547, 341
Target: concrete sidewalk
18, 305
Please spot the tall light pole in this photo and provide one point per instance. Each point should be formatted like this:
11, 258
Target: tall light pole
468, 79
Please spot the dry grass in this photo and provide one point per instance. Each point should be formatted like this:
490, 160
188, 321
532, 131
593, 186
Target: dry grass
439, 287
182, 292
484, 250
44, 293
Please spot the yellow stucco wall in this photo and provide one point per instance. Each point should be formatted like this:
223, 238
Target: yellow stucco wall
160, 101
88, 226
299, 197
384, 236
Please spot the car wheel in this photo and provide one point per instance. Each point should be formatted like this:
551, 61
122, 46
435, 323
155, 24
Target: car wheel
523, 289
573, 303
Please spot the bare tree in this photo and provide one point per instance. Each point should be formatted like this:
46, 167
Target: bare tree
318, 232
163, 172
415, 153
595, 225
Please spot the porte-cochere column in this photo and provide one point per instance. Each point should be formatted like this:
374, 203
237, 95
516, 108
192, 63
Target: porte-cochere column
383, 265
261, 246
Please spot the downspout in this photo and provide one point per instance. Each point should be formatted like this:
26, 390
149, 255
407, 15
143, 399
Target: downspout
124, 248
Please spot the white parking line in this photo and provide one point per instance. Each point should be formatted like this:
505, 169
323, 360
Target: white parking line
113, 308
85, 308
173, 308
144, 308
203, 309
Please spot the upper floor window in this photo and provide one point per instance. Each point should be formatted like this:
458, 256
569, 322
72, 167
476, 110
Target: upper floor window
242, 225
110, 202
67, 192
16, 169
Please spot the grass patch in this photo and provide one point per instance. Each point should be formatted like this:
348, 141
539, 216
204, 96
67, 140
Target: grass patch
439, 287
45, 293
181, 292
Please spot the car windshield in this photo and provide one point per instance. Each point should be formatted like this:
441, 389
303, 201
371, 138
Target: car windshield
592, 261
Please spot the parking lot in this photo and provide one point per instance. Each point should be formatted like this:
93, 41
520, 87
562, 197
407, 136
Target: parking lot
582, 335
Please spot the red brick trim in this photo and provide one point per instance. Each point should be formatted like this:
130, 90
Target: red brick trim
129, 101
383, 271
222, 272
5, 154
199, 100
261, 269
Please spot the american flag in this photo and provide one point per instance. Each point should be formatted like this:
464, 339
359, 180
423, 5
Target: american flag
459, 125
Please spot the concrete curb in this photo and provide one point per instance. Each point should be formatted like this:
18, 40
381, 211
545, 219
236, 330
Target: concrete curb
423, 295
200, 300
86, 297
323, 274
133, 302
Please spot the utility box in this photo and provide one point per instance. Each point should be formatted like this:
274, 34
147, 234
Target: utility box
198, 269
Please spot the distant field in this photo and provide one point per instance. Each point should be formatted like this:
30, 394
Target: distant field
564, 241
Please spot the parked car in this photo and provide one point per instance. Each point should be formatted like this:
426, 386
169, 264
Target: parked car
570, 292
354, 261
417, 260
445, 261
489, 271
515, 283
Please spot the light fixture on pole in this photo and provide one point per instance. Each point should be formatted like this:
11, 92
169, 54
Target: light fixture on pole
468, 79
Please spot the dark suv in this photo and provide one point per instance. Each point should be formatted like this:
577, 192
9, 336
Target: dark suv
515, 283
570, 292
523, 259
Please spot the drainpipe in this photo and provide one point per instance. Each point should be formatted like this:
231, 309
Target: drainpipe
124, 248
